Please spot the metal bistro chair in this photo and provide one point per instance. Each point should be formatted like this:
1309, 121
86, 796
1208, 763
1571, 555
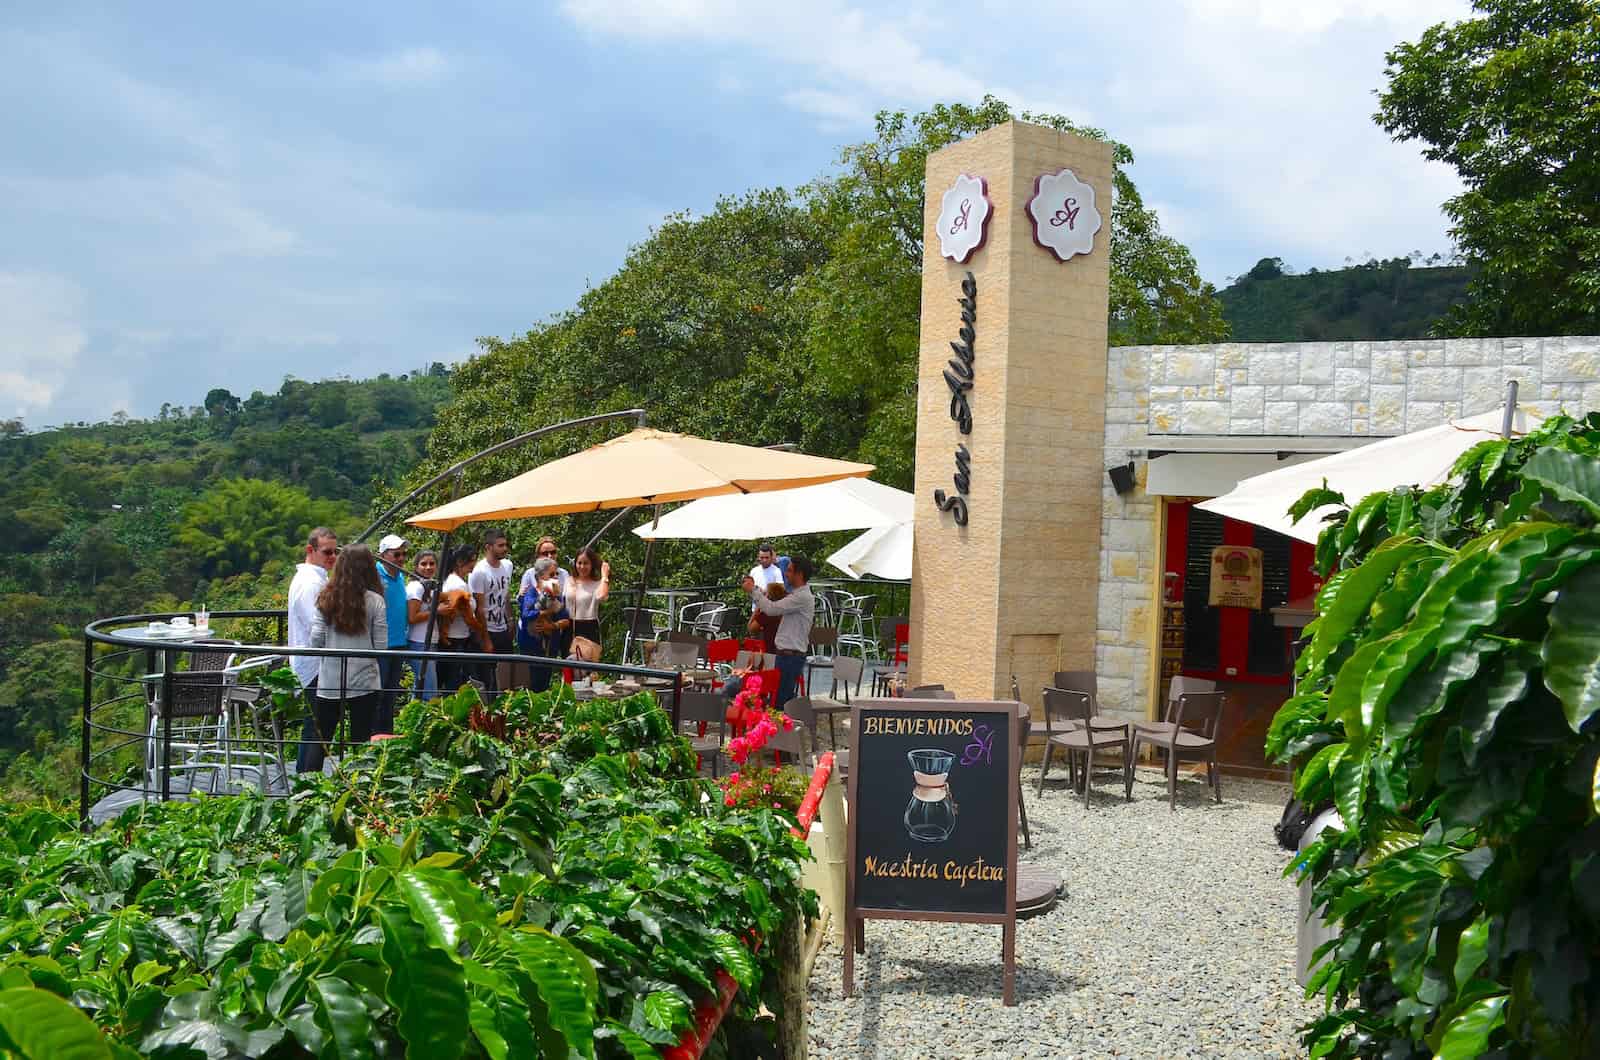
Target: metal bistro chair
198, 716
1194, 728
855, 614
254, 712
1082, 733
704, 618
641, 624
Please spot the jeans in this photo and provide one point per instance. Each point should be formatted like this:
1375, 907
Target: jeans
422, 671
389, 667
323, 722
790, 670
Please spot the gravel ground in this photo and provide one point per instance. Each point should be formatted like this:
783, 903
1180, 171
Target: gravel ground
1176, 938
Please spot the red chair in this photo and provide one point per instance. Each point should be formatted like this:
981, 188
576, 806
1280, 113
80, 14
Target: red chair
902, 638
722, 651
754, 644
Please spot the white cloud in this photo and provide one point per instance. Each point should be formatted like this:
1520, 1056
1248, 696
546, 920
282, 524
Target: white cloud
866, 61
397, 69
1314, 16
41, 338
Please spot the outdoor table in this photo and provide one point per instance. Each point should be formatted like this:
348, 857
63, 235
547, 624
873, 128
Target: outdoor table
673, 606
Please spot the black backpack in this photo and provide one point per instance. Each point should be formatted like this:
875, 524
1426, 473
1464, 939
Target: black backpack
1292, 825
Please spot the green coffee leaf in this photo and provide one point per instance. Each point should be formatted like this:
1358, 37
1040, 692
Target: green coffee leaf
44, 1027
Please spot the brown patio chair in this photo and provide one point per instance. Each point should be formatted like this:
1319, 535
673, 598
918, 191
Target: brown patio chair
1193, 735
1070, 724
706, 709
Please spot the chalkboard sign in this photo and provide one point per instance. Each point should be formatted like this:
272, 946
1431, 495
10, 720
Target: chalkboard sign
933, 815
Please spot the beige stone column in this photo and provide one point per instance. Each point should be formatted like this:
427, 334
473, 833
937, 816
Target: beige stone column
1015, 590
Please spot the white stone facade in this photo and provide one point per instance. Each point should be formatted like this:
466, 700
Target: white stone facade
1287, 390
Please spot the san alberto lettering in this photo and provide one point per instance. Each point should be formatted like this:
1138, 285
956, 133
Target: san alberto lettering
958, 376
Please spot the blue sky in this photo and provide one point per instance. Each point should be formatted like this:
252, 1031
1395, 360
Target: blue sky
197, 195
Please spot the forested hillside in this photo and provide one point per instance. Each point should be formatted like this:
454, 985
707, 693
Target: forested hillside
1393, 299
200, 505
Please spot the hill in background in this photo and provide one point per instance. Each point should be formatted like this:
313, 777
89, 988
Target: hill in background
1393, 299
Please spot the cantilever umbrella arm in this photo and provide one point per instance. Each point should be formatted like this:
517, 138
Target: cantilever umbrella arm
456, 468
453, 472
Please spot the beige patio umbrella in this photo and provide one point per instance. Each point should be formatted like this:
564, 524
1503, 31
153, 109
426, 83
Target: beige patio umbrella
644, 466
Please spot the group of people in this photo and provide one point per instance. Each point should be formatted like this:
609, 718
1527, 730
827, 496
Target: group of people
782, 610
350, 599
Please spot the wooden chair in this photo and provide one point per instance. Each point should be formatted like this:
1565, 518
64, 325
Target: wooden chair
1071, 724
1192, 735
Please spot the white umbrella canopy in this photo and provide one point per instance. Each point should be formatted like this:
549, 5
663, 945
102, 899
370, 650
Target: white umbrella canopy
846, 504
644, 466
1421, 458
884, 551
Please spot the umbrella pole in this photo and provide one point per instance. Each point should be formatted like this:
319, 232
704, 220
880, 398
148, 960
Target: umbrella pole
644, 578
1511, 409
439, 575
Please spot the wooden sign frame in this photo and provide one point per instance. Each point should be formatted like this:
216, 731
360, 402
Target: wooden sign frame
1007, 729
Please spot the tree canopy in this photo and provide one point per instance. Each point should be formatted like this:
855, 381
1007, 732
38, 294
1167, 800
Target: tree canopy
782, 316
1511, 99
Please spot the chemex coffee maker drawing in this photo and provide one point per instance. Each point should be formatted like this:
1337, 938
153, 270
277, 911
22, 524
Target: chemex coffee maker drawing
931, 814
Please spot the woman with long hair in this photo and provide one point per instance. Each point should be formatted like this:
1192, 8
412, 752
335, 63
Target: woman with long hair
420, 596
464, 626
351, 614
586, 591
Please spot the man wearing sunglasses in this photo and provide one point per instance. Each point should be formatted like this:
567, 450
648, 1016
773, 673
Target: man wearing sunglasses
322, 548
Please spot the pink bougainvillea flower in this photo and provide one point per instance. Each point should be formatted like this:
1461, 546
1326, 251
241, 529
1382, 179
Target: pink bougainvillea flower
733, 778
752, 684
728, 801
788, 723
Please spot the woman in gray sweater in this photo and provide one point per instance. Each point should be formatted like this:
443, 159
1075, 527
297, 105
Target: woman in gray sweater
350, 614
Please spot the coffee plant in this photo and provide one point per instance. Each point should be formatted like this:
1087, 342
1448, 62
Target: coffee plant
570, 890
1446, 705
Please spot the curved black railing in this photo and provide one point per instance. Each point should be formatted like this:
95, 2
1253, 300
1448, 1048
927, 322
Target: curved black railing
129, 674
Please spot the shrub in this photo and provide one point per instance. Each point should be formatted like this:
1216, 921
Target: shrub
446, 893
1446, 705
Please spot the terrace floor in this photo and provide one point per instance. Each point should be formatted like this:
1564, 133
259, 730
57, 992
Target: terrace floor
1176, 938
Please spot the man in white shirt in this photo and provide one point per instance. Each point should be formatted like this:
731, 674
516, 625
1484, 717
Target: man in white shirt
490, 583
793, 639
766, 571
322, 548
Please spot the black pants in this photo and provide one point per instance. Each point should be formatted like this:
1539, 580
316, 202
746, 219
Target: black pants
453, 673
586, 627
389, 670
361, 711
505, 643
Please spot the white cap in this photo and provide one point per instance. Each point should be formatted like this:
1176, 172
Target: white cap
391, 542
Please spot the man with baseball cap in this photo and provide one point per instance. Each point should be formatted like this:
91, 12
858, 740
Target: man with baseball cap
392, 574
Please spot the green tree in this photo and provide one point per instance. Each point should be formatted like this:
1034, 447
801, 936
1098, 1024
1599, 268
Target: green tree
865, 302
1511, 99
238, 525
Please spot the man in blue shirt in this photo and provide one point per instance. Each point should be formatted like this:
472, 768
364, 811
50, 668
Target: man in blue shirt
392, 573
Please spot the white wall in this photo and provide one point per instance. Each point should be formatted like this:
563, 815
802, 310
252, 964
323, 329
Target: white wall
1303, 389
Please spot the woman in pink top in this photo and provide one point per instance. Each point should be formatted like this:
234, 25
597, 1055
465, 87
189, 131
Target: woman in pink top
589, 586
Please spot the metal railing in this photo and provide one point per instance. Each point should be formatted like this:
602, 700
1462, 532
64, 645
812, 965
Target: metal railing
161, 712
890, 598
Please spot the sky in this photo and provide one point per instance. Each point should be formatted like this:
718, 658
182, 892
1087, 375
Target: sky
200, 195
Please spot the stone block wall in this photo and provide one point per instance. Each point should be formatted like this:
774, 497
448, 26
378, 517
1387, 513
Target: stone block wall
1306, 389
